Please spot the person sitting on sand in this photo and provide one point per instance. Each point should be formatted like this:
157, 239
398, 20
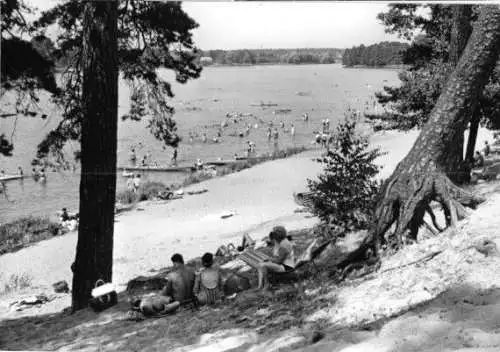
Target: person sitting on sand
64, 215
208, 286
177, 292
180, 281
486, 149
283, 257
478, 159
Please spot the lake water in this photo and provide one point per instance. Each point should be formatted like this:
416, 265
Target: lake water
320, 90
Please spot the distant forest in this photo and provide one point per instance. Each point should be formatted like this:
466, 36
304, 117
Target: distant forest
376, 55
270, 56
381, 54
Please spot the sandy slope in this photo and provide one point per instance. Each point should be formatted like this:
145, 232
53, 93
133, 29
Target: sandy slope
146, 238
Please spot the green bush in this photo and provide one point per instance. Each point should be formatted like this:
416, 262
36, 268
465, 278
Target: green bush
16, 234
126, 197
150, 190
15, 282
343, 196
196, 177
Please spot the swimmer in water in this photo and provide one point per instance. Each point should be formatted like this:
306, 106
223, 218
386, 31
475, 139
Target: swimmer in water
269, 133
132, 156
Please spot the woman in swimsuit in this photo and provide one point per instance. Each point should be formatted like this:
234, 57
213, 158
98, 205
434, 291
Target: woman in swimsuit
208, 282
283, 259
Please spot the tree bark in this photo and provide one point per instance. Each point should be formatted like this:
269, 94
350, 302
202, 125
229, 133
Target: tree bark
94, 252
422, 176
460, 33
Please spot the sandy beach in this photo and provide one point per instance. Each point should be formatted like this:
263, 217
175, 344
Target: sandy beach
145, 238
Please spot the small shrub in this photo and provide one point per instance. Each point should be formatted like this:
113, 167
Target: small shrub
16, 234
344, 194
16, 282
196, 177
150, 189
126, 197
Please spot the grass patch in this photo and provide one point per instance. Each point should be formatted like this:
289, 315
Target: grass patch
126, 197
15, 282
19, 233
150, 190
147, 191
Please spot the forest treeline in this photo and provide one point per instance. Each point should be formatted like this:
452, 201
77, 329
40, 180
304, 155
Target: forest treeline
270, 56
376, 55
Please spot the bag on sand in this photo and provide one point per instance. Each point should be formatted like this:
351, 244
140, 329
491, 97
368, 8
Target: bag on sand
103, 296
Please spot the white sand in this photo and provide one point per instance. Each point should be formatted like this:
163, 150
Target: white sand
145, 239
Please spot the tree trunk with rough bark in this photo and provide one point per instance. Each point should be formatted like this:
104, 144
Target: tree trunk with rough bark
422, 176
94, 252
460, 33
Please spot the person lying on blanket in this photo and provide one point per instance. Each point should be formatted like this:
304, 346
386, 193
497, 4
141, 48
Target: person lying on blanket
283, 259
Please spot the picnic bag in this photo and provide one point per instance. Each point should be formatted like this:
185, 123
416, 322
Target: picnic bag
103, 296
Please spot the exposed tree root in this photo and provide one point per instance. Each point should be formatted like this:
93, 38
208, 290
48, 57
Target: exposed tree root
407, 199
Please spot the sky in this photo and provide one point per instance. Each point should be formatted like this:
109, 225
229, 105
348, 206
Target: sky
253, 25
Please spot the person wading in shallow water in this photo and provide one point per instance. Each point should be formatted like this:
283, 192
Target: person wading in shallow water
174, 157
276, 137
132, 157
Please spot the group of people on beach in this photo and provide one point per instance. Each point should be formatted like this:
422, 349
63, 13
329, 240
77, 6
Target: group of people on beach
133, 183
206, 285
184, 286
67, 220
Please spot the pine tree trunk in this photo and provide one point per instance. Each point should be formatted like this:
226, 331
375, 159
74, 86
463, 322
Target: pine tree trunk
460, 34
94, 252
422, 175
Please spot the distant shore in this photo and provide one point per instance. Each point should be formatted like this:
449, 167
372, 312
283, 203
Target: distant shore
384, 67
